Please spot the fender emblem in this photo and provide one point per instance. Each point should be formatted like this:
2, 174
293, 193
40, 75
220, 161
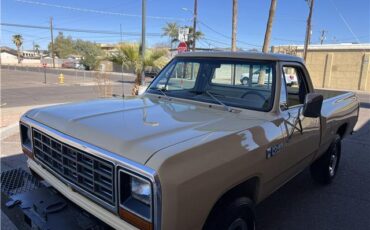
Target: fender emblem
273, 150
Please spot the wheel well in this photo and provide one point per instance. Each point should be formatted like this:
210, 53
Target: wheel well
246, 189
342, 130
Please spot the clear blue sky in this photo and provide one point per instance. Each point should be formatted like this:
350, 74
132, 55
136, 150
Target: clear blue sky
214, 17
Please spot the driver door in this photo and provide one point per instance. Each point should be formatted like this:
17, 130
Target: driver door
302, 134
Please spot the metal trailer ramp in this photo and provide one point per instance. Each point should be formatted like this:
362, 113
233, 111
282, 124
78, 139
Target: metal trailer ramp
41, 206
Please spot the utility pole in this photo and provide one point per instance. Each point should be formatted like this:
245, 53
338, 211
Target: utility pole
308, 30
323, 36
52, 41
195, 21
266, 43
234, 25
143, 32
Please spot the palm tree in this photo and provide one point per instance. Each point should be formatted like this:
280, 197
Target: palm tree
37, 48
129, 56
234, 24
18, 41
171, 30
198, 35
266, 42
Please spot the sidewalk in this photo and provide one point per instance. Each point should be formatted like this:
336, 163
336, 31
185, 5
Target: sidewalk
10, 119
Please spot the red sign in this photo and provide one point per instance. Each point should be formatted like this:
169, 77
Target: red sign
44, 65
182, 47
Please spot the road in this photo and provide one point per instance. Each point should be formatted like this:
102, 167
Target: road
300, 204
21, 88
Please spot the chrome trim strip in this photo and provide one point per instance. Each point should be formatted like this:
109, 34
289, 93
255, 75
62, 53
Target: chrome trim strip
117, 160
20, 133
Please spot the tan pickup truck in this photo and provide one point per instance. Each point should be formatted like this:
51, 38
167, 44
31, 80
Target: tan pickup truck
213, 135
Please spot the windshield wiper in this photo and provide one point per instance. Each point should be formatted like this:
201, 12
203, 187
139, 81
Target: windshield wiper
164, 94
227, 108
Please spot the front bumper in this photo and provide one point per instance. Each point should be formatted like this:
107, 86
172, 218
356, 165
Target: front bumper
94, 209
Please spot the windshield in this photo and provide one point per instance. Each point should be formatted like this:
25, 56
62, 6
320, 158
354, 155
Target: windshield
244, 84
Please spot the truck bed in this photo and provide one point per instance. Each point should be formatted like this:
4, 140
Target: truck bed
339, 114
329, 93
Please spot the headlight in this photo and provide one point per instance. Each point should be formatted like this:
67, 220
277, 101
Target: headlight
141, 190
26, 139
135, 199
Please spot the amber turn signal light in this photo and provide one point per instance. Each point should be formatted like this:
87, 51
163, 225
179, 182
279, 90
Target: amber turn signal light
27, 152
135, 220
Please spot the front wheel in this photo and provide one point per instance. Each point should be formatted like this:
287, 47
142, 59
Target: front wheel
324, 169
235, 215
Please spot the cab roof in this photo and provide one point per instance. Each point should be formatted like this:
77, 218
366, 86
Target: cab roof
243, 55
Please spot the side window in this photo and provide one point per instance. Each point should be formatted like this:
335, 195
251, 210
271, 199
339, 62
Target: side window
295, 85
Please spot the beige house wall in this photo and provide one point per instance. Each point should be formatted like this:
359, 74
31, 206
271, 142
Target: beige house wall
335, 67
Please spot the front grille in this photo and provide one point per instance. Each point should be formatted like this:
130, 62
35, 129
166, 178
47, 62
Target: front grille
91, 174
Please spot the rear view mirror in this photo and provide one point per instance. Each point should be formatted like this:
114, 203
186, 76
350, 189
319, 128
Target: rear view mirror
312, 105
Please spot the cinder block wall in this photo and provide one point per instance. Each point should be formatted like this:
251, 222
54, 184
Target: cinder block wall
346, 69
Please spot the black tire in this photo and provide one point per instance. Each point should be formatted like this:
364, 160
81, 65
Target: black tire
324, 169
235, 214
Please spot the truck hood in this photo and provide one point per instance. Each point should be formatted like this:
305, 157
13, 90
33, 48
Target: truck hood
139, 127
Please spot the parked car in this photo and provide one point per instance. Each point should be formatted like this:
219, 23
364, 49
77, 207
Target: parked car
151, 71
290, 76
72, 64
69, 64
80, 66
247, 78
195, 151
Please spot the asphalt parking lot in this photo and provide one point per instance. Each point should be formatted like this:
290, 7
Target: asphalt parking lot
300, 204
344, 204
24, 88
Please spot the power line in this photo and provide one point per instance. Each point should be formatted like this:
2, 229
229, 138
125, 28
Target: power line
26, 34
287, 40
345, 21
96, 11
81, 30
215, 41
80, 18
225, 36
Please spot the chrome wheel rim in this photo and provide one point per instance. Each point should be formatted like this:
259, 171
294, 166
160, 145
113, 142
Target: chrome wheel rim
333, 162
238, 224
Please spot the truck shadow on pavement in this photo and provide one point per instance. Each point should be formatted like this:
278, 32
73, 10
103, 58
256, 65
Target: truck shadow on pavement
365, 105
344, 204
